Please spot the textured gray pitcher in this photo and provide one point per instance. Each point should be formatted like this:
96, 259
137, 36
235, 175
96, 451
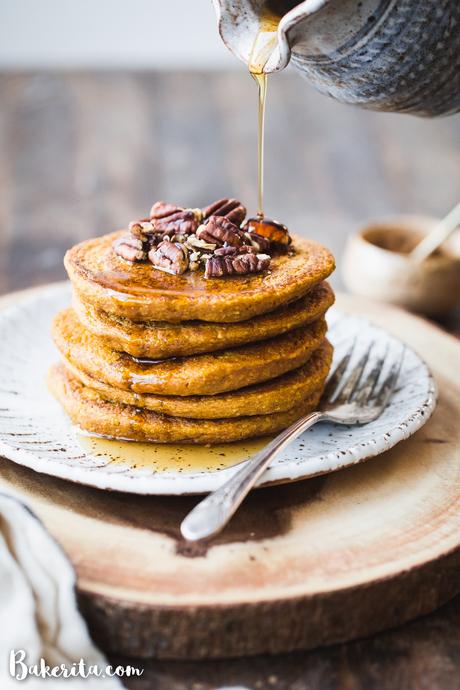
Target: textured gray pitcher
394, 55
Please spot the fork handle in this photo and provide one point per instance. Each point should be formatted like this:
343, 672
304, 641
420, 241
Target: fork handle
212, 513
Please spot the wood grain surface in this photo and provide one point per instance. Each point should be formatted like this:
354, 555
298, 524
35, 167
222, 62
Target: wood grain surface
82, 153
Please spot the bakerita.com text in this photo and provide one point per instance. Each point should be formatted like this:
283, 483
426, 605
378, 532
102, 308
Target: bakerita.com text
20, 669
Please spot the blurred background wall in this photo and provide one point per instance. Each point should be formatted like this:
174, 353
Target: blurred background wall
132, 34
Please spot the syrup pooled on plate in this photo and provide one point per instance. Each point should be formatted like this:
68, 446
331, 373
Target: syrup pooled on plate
160, 457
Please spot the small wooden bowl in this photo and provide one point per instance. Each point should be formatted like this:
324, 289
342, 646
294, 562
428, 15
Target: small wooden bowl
377, 264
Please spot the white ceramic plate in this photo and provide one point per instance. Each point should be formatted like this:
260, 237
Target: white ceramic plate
35, 432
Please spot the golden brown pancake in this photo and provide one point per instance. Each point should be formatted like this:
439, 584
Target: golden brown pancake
205, 374
87, 408
142, 293
159, 339
277, 395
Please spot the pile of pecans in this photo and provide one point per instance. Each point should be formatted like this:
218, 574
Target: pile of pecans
215, 238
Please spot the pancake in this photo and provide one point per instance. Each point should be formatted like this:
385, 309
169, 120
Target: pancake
159, 339
141, 293
205, 374
277, 395
87, 408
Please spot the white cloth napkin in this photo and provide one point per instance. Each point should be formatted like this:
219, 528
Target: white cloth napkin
38, 610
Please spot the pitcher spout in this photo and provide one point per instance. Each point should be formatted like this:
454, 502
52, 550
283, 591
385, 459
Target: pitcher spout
255, 32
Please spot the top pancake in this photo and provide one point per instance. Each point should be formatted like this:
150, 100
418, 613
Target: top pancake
141, 292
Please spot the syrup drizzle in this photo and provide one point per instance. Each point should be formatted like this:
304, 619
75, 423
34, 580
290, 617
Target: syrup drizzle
263, 46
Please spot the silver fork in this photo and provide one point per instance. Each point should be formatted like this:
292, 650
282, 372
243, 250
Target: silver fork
349, 398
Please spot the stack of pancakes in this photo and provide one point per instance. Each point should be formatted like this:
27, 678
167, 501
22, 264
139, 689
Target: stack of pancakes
150, 356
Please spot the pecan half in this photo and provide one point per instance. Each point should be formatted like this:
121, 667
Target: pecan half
161, 209
233, 251
174, 220
232, 209
130, 248
270, 229
241, 264
170, 257
219, 230
179, 223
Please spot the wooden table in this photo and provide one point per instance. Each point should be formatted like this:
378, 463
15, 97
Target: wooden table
82, 154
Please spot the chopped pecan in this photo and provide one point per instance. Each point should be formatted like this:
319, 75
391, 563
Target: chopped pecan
145, 230
170, 257
260, 243
142, 229
225, 265
219, 230
270, 229
192, 241
130, 248
194, 261
232, 209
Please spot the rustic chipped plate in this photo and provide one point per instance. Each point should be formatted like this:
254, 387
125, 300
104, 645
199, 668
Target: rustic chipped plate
35, 432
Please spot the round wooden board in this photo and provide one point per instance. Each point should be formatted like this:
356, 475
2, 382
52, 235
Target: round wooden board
301, 565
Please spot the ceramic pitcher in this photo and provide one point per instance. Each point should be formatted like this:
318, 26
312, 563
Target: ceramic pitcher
393, 55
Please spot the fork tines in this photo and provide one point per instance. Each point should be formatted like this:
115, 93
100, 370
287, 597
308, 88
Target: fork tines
347, 385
